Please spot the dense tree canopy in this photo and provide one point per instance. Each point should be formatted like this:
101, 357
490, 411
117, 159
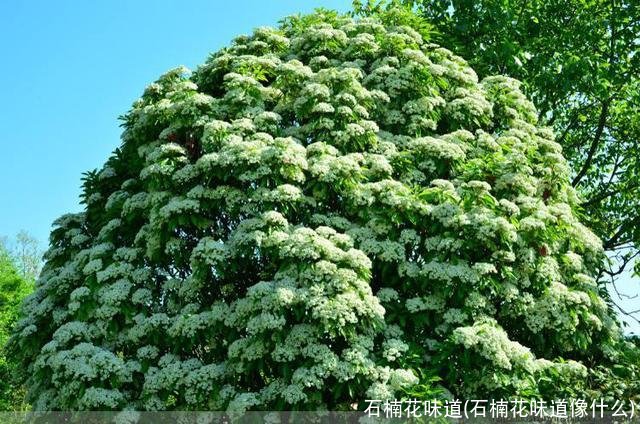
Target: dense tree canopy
578, 60
332, 210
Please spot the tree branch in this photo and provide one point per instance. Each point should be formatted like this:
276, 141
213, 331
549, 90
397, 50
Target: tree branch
594, 143
572, 122
604, 195
623, 228
626, 259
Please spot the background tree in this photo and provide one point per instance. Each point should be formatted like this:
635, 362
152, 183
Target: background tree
579, 62
25, 253
20, 263
13, 289
324, 212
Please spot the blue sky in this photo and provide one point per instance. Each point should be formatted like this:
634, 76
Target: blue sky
70, 68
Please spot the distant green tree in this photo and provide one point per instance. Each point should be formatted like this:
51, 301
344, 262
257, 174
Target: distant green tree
13, 288
578, 62
25, 253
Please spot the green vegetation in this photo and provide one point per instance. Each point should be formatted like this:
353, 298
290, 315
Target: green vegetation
13, 289
333, 210
578, 61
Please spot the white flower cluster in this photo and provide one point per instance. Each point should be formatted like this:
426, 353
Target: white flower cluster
515, 362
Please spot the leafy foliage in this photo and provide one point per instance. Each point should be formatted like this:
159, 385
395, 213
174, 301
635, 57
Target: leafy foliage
13, 289
578, 61
329, 211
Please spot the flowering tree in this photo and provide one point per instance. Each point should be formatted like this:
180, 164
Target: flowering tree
331, 211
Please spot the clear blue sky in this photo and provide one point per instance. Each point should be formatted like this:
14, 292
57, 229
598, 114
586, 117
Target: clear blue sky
69, 68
